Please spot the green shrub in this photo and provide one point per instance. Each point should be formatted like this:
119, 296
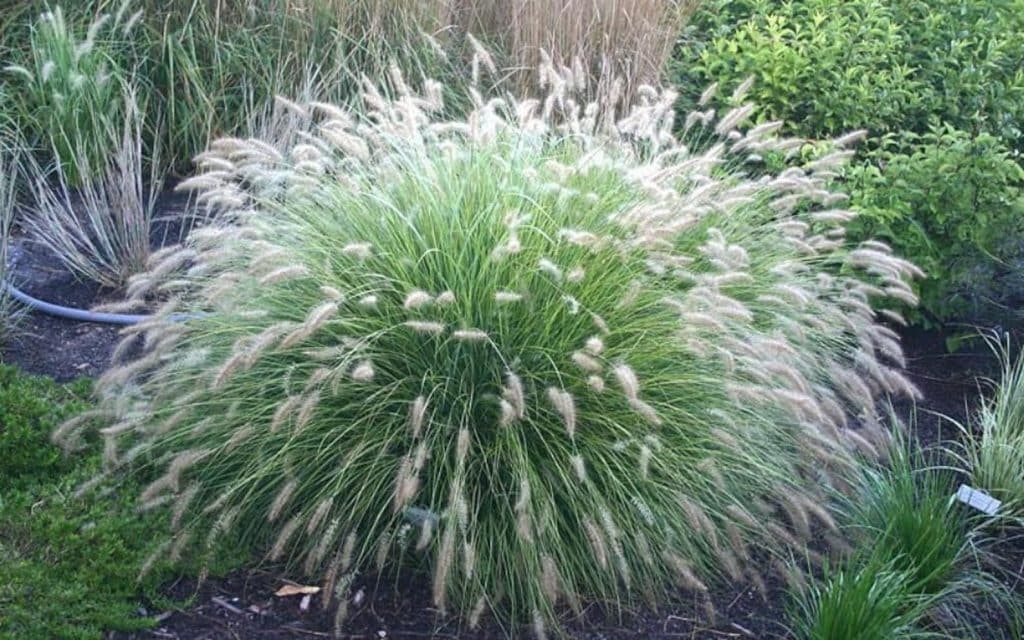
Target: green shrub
953, 203
538, 339
971, 56
821, 67
866, 64
938, 86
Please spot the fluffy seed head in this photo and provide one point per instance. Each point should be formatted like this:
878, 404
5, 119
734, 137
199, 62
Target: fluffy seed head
364, 372
563, 403
417, 299
470, 335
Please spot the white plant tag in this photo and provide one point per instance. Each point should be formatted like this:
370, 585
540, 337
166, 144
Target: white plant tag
978, 499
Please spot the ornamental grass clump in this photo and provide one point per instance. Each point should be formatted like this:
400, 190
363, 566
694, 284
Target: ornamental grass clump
551, 360
922, 564
10, 314
994, 439
67, 95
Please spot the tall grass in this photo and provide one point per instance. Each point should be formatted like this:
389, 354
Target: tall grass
994, 449
614, 45
204, 65
9, 313
67, 93
550, 335
101, 229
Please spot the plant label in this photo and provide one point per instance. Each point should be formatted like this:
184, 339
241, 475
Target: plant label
978, 499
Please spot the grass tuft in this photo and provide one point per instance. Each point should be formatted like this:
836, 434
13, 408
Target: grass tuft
994, 452
348, 364
922, 565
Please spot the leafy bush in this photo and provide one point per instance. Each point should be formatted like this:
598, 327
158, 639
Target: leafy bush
821, 67
866, 64
920, 567
970, 55
538, 339
953, 203
939, 88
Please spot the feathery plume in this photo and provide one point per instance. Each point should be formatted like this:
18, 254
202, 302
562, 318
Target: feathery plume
504, 297
470, 335
417, 415
565, 406
586, 362
284, 273
417, 299
425, 327
363, 372
285, 535
514, 394
281, 500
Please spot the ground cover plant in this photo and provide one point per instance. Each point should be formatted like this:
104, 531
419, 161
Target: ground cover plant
68, 566
509, 349
937, 86
921, 565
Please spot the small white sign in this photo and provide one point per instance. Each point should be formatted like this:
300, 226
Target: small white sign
978, 499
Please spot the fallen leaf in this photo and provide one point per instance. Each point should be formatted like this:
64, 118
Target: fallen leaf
295, 590
304, 605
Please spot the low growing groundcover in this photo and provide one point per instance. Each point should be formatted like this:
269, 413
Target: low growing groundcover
68, 566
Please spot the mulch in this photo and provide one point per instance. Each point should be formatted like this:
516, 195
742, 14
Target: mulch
243, 605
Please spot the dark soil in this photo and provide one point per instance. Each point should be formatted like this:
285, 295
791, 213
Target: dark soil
65, 349
243, 605
47, 345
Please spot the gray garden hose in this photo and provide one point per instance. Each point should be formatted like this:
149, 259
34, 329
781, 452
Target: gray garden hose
70, 313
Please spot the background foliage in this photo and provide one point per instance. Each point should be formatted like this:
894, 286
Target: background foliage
938, 86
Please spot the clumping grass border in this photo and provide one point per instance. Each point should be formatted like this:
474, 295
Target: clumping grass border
922, 565
993, 449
